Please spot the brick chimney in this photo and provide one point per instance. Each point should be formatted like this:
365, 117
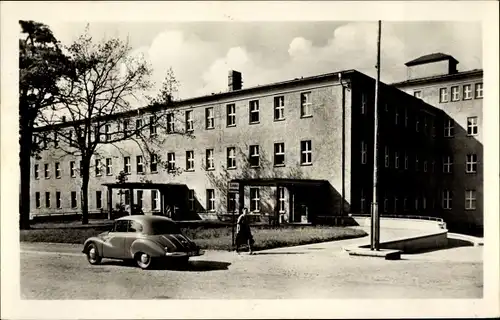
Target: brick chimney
234, 80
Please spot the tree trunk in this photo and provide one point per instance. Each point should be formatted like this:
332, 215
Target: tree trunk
85, 190
25, 169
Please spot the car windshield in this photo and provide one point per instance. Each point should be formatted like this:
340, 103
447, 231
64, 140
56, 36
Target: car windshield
164, 227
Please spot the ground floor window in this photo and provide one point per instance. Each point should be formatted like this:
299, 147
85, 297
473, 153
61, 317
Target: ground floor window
191, 199
155, 200
58, 200
73, 199
140, 194
98, 199
210, 199
254, 199
37, 200
231, 202
281, 199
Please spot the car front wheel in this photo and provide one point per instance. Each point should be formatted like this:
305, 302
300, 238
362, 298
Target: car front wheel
143, 260
93, 255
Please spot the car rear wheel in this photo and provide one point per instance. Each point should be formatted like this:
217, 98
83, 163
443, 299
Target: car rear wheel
93, 255
143, 260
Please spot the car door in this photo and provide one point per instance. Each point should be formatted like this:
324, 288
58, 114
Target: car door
134, 231
114, 241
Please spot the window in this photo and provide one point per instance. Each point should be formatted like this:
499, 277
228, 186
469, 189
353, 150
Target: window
479, 90
152, 126
448, 128
126, 127
210, 199
37, 171
170, 123
58, 170
305, 105
279, 154
472, 126
406, 117
443, 95
396, 115
416, 203
405, 204
471, 163
425, 165
58, 200
126, 165
279, 108
254, 199
190, 160
209, 118
425, 125
281, 199
153, 166
395, 205
73, 199
140, 198
140, 164
121, 226
47, 199
386, 204
189, 121
191, 199
417, 123
433, 127
46, 171
363, 103
98, 199
231, 115
154, 200
171, 161
109, 166
107, 134
467, 92
231, 158
254, 111
417, 166
98, 172
447, 163
406, 161
138, 127
209, 159
363, 152
231, 202
37, 200
134, 226
305, 152
455, 93
417, 94
424, 202
470, 199
396, 159
362, 201
127, 197
446, 199
386, 157
254, 156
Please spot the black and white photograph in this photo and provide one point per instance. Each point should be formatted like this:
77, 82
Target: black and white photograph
249, 159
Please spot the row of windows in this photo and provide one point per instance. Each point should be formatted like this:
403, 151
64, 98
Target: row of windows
472, 127
420, 203
455, 94
58, 199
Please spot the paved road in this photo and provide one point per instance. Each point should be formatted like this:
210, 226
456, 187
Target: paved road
51, 271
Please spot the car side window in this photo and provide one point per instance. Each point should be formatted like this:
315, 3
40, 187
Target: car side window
135, 226
121, 226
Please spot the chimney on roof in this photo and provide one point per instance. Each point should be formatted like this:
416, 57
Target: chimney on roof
433, 64
234, 80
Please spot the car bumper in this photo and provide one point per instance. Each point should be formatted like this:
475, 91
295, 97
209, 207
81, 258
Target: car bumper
184, 254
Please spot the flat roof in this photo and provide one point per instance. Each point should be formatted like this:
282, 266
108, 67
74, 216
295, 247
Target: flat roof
428, 58
439, 78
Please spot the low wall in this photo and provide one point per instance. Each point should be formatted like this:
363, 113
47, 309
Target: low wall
401, 223
416, 244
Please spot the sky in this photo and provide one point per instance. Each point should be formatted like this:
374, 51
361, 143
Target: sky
202, 53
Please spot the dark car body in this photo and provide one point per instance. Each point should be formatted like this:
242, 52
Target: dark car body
142, 238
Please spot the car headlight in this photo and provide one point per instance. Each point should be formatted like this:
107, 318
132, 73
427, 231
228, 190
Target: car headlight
167, 249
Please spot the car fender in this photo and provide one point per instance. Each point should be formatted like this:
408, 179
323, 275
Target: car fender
147, 246
97, 241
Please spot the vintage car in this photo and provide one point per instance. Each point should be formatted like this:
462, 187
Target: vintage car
145, 239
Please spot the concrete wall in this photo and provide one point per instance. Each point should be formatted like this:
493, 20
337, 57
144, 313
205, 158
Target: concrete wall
428, 69
400, 223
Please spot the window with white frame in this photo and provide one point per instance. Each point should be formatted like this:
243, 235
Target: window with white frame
447, 164
472, 128
209, 118
58, 200
449, 127
153, 166
470, 199
254, 156
254, 111
126, 165
231, 158
305, 104
471, 163
396, 159
479, 90
281, 199
467, 92
152, 126
46, 171
191, 199
443, 95
138, 127
190, 160
171, 161
362, 201
58, 170
109, 166
98, 199
209, 159
98, 172
417, 94
279, 108
306, 152
446, 199
140, 164
364, 101
279, 154
47, 199
406, 161
254, 199
37, 171
455, 93
170, 123
189, 121
210, 199
386, 157
364, 150
155, 200
231, 115
38, 201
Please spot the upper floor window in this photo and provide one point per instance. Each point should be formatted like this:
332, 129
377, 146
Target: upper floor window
154, 162
171, 161
210, 159
138, 127
386, 157
37, 171
279, 154
470, 199
46, 171
417, 94
152, 126
74, 202
448, 128
98, 167
72, 169
109, 166
140, 164
472, 126
210, 199
254, 111
56, 140
191, 199
190, 160
455, 93
364, 149
396, 159
279, 108
467, 92
364, 102
254, 200
47, 199
231, 158
417, 163
406, 161
107, 132
443, 95
58, 170
417, 123
447, 196
231, 115
189, 121
254, 156
406, 117
447, 164
305, 104
396, 115
126, 165
305, 152
170, 123
471, 163
479, 90
209, 118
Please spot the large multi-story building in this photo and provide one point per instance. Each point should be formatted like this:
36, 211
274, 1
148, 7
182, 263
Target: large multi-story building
303, 148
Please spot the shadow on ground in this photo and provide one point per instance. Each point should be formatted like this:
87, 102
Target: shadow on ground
277, 252
452, 243
194, 266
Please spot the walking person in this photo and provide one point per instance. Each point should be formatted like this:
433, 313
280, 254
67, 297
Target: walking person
243, 232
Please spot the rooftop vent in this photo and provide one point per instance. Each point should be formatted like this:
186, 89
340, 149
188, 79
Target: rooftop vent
234, 80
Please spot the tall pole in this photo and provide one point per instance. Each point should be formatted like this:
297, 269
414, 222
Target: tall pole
375, 218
